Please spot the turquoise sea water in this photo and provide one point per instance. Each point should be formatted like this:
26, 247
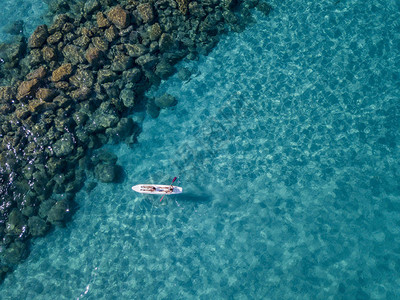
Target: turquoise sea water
286, 143
31, 12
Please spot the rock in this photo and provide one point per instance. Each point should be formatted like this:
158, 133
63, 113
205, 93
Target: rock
14, 28
165, 100
127, 96
164, 69
67, 27
145, 12
54, 38
82, 42
111, 33
62, 72
104, 117
153, 48
101, 20
152, 109
63, 146
82, 77
16, 252
166, 42
10, 54
136, 50
119, 17
100, 43
121, 63
58, 23
105, 75
62, 85
93, 56
73, 54
37, 105
7, 93
38, 37
132, 75
80, 117
105, 172
35, 57
48, 53
37, 226
195, 9
147, 61
57, 213
80, 94
22, 113
15, 223
155, 32
26, 88
264, 8
44, 208
104, 156
183, 6
184, 74
45, 94
38, 73
90, 6
124, 129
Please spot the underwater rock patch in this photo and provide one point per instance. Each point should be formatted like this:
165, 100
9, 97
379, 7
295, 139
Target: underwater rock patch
166, 100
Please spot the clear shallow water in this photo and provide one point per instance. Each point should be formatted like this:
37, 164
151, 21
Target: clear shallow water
30, 12
286, 143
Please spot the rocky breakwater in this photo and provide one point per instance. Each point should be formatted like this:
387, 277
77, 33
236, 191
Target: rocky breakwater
69, 89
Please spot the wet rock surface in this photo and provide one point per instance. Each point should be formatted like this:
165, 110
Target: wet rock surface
69, 88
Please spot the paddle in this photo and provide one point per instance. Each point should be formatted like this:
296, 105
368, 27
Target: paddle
173, 180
